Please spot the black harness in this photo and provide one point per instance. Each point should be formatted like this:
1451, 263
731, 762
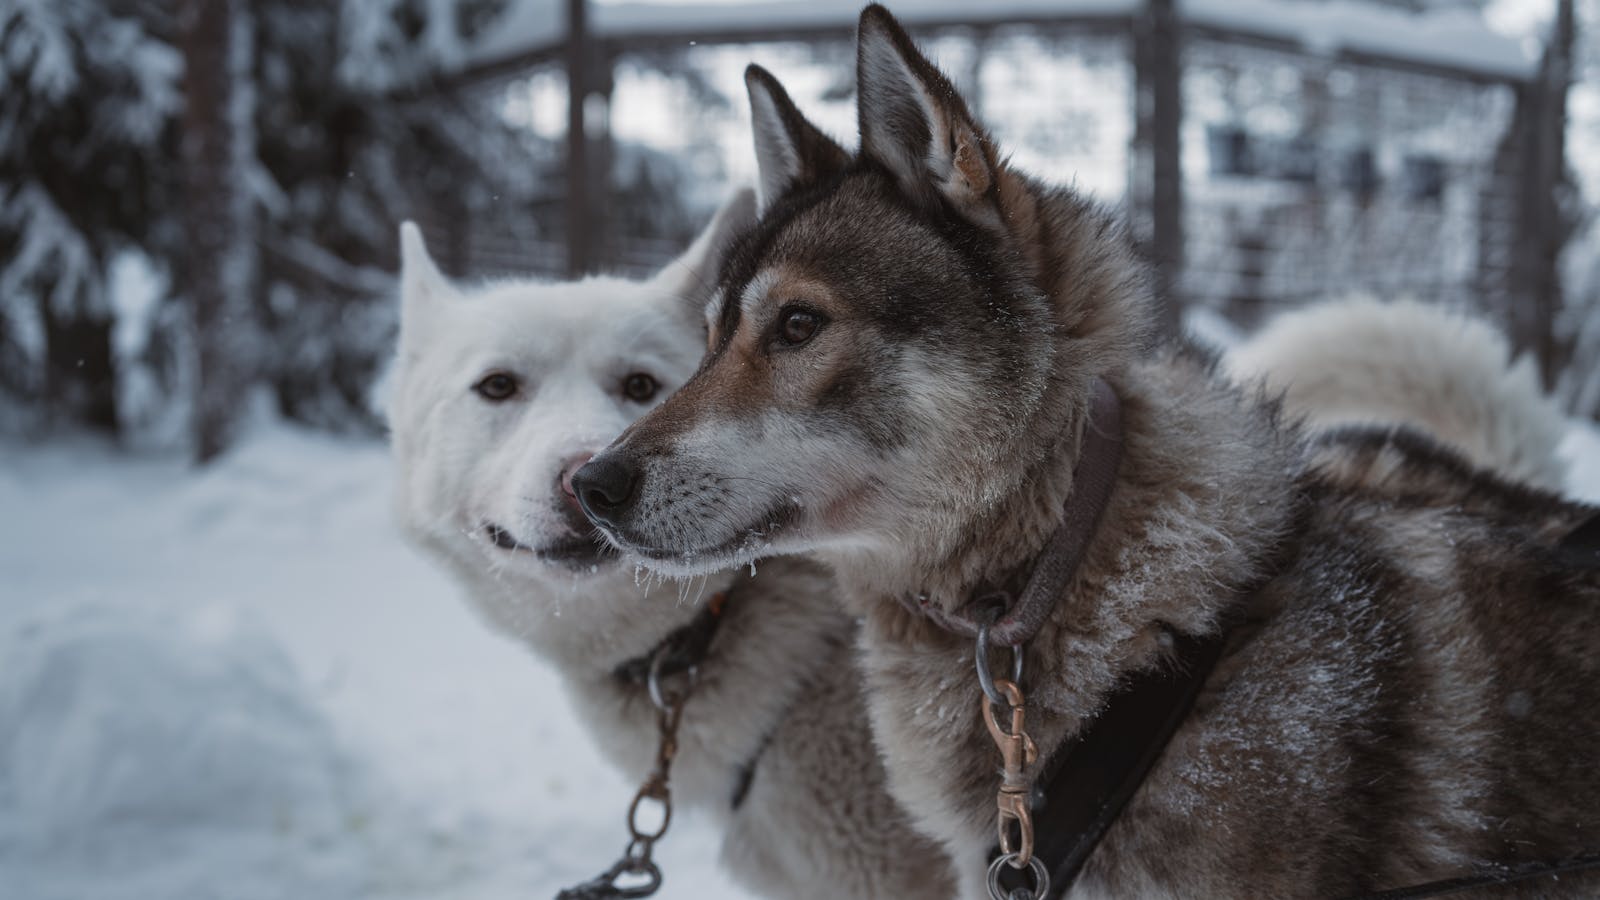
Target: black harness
1087, 782
1491, 876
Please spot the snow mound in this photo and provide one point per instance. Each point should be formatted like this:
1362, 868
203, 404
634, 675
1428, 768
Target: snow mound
252, 689
128, 739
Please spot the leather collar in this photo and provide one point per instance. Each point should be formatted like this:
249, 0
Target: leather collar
686, 647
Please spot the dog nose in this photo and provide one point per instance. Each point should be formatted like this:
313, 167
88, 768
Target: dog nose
569, 469
605, 488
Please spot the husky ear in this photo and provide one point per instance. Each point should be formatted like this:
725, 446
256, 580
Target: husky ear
422, 286
912, 120
789, 149
693, 275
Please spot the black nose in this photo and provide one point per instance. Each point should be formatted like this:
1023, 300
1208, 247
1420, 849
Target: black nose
605, 488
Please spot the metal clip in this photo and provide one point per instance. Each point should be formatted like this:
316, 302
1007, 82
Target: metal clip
1017, 753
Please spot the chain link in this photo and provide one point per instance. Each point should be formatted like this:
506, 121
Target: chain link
636, 861
985, 676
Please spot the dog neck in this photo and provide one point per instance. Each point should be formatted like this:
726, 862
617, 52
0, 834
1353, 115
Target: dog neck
1080, 282
1201, 488
1016, 608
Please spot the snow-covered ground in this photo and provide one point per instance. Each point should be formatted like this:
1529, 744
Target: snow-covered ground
242, 684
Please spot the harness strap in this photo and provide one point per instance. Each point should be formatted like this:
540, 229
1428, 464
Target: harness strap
1086, 783
1092, 482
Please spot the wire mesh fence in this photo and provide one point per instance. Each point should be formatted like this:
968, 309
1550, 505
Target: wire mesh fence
1306, 177
1305, 171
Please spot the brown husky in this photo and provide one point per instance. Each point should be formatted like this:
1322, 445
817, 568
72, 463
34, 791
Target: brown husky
904, 356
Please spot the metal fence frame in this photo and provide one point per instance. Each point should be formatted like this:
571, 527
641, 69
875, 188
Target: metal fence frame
1533, 149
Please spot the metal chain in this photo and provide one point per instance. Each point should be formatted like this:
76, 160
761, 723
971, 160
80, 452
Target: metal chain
1017, 753
636, 861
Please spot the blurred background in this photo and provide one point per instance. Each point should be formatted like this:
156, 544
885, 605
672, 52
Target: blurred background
223, 675
199, 200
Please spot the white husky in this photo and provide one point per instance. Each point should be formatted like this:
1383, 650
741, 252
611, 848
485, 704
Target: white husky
1359, 361
501, 394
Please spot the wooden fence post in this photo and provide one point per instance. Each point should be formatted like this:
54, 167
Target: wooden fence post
220, 275
580, 234
1535, 284
1160, 113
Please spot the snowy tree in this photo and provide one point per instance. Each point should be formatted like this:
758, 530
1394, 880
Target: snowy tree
88, 96
340, 135
353, 138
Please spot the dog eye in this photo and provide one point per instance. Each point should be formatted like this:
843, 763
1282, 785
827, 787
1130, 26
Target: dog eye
639, 387
796, 326
496, 386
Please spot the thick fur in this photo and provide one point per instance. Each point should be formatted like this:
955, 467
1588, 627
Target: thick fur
1411, 688
779, 713
1358, 361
